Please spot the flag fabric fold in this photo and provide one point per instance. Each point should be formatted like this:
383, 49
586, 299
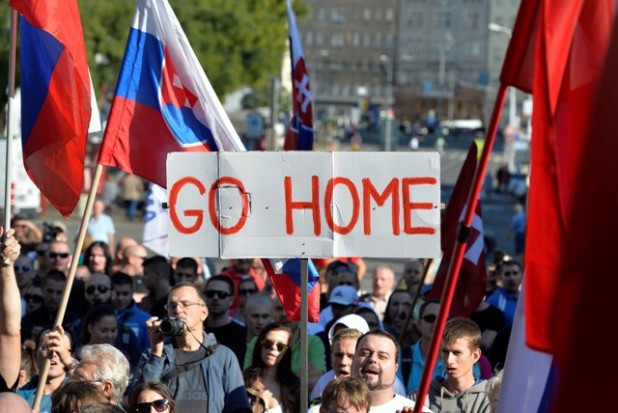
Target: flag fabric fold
589, 274
285, 277
299, 134
472, 280
56, 98
570, 48
164, 101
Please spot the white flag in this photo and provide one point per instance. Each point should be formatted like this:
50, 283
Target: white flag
155, 221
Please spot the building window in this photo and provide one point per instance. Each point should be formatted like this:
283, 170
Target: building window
367, 15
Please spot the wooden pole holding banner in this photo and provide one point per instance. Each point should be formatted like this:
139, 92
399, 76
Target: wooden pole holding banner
71, 277
304, 339
463, 233
8, 176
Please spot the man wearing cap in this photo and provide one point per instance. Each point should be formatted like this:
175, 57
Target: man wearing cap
341, 302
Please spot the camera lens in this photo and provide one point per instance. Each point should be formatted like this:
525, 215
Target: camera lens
171, 327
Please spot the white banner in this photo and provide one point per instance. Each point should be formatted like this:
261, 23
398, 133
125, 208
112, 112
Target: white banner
304, 204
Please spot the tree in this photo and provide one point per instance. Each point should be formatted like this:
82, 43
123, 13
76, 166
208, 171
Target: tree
238, 42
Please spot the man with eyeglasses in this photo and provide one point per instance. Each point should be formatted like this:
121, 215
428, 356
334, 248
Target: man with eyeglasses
202, 375
219, 296
59, 258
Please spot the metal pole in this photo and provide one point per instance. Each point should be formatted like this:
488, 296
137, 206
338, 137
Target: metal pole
8, 176
274, 110
304, 340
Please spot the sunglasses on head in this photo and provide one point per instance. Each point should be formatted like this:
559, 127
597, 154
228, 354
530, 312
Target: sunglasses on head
429, 318
102, 289
54, 255
159, 405
34, 298
219, 294
269, 345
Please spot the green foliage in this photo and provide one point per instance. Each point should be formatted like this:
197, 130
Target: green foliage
238, 42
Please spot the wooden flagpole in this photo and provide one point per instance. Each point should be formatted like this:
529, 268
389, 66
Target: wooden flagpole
71, 277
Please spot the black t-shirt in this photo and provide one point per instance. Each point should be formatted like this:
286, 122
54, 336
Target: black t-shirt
232, 335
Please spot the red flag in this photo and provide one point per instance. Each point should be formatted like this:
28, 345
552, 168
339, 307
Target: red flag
472, 280
56, 110
570, 51
589, 280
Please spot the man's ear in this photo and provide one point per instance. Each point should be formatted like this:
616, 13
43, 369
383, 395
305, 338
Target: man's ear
108, 387
476, 354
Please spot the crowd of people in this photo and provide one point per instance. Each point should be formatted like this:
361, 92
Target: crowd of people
142, 332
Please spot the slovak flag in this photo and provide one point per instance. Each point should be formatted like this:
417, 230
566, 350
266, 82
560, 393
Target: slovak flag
299, 134
164, 102
286, 280
472, 281
56, 98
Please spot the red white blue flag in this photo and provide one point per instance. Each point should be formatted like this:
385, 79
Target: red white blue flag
56, 98
299, 134
164, 102
285, 277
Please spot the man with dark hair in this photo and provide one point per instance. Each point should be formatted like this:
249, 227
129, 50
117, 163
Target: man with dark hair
202, 375
157, 274
505, 297
186, 271
127, 311
219, 294
53, 287
375, 361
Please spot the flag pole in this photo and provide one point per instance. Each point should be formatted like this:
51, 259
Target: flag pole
8, 176
71, 277
463, 233
304, 340
415, 299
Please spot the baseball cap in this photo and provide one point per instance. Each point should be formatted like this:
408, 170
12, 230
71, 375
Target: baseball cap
349, 321
343, 295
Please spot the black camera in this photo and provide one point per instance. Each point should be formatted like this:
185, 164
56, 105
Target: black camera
172, 327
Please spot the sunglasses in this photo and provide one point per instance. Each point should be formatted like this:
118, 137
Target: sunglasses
269, 344
34, 298
54, 255
511, 273
247, 291
22, 268
159, 405
430, 318
102, 289
219, 294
